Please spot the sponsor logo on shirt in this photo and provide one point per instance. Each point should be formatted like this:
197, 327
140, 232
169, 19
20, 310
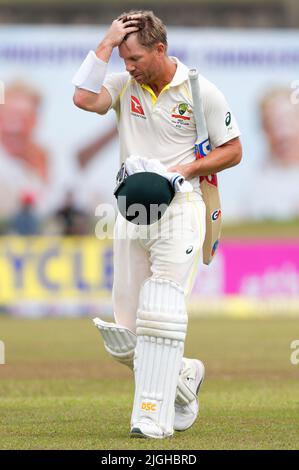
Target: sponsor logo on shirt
181, 114
228, 120
136, 108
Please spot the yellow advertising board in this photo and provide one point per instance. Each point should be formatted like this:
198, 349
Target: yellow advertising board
54, 268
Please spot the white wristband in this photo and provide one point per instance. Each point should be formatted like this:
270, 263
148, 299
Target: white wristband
91, 73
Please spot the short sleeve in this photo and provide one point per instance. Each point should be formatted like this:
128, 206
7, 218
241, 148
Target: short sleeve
115, 84
221, 123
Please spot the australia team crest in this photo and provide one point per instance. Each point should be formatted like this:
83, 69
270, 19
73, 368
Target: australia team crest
181, 114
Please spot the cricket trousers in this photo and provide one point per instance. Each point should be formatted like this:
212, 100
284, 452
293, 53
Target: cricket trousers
168, 249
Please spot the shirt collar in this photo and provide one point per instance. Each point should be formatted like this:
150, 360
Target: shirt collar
181, 73
180, 76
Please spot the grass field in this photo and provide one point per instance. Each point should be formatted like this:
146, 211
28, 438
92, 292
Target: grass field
60, 390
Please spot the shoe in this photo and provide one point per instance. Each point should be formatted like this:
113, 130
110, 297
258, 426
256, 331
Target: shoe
191, 378
145, 430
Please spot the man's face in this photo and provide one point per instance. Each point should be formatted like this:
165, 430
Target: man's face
18, 115
142, 63
281, 124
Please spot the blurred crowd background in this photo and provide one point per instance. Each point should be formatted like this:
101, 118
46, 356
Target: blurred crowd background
58, 163
198, 13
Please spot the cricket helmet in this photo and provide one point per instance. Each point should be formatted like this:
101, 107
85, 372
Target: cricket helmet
142, 198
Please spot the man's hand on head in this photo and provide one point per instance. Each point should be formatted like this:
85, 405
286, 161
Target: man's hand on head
120, 28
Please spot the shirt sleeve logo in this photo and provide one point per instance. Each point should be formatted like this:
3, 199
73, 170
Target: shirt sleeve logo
228, 119
136, 107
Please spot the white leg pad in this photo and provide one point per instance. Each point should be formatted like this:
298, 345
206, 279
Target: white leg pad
119, 341
161, 330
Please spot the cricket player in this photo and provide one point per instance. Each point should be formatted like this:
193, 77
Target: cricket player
154, 269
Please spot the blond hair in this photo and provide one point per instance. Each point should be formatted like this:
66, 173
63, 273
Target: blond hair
272, 95
19, 87
151, 29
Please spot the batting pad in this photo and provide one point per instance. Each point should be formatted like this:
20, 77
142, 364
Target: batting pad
161, 330
119, 341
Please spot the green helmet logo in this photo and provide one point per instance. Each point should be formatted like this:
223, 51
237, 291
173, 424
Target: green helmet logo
183, 108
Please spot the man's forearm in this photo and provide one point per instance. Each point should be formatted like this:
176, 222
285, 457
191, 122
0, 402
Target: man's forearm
219, 159
104, 50
216, 161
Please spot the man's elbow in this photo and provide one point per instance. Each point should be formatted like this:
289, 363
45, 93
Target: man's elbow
237, 155
78, 101
84, 101
89, 103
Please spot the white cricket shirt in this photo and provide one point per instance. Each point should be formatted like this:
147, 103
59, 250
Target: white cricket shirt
163, 127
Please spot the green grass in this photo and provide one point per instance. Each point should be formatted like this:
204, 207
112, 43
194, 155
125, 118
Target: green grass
60, 390
288, 229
